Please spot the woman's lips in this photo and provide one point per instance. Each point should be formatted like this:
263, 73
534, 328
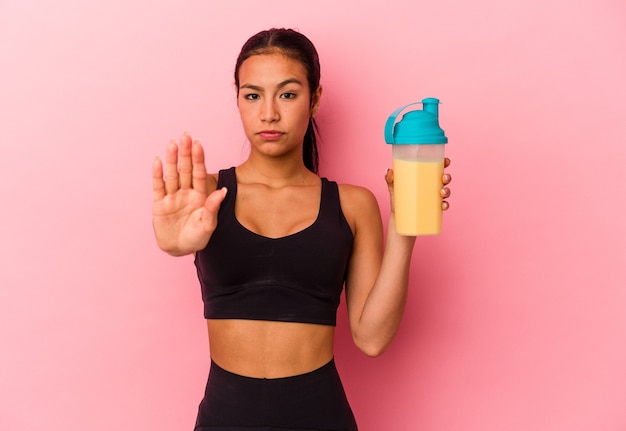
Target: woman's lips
270, 135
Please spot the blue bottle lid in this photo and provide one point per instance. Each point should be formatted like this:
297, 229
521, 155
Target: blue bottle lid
417, 126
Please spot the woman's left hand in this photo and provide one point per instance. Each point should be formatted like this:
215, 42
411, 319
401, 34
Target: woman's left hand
445, 191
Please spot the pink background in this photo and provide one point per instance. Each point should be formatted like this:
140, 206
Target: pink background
515, 319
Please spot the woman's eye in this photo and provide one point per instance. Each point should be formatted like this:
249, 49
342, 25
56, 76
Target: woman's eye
288, 95
251, 96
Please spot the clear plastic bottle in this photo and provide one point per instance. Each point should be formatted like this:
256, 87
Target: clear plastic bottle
418, 162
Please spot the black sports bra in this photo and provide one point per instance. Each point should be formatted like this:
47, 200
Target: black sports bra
296, 278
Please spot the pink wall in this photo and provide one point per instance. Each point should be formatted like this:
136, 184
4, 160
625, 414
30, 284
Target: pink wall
516, 313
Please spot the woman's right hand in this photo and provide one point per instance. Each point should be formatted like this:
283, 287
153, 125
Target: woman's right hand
184, 210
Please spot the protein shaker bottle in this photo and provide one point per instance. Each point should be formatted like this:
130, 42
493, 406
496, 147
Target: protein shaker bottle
418, 161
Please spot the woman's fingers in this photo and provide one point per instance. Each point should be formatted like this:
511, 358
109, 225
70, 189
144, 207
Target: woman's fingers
445, 192
215, 199
199, 170
185, 166
171, 168
211, 207
158, 186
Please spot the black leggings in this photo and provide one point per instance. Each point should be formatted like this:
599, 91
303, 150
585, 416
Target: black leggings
308, 402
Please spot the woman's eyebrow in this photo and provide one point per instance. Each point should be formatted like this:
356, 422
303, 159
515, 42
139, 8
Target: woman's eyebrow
250, 87
280, 84
289, 81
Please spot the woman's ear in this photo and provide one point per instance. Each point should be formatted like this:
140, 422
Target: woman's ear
315, 101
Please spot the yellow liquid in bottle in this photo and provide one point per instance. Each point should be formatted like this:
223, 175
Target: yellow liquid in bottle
417, 197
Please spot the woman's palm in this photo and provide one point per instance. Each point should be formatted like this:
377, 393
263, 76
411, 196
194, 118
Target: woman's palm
184, 214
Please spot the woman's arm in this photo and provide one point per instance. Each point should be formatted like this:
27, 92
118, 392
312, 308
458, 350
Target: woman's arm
378, 274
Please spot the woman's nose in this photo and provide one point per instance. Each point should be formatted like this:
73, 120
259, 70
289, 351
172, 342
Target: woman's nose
269, 113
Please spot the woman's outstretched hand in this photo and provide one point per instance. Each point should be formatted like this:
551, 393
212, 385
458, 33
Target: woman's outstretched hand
445, 191
184, 210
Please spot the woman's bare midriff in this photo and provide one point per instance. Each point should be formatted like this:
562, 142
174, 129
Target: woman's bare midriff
264, 349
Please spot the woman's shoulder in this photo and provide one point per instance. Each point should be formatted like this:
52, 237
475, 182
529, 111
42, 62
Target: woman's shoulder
356, 193
357, 203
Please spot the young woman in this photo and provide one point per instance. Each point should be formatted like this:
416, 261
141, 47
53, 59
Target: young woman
274, 246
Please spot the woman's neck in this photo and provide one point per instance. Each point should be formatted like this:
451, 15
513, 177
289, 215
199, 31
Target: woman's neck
274, 173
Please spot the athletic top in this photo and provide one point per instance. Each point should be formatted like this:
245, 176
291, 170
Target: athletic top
295, 278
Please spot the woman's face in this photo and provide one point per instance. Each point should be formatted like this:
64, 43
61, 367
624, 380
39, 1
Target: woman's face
275, 103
